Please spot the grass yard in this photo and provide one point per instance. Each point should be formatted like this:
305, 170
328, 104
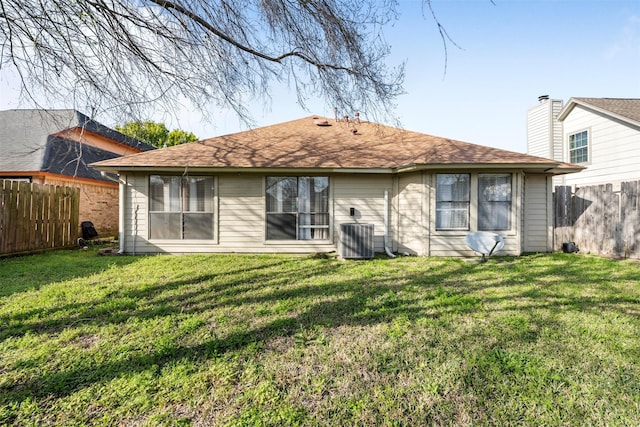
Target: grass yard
232, 340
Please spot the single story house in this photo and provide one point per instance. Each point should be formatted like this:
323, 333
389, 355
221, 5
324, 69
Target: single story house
297, 187
55, 147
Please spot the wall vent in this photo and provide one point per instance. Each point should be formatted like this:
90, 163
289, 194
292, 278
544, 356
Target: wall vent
356, 241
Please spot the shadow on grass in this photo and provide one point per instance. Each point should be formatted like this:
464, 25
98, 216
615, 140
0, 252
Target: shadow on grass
119, 305
31, 272
326, 293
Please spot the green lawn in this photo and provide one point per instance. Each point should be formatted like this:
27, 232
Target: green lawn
296, 340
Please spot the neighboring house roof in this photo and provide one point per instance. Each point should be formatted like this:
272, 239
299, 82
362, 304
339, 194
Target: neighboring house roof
315, 143
33, 140
625, 109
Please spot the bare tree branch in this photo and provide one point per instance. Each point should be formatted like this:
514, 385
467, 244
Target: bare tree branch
136, 56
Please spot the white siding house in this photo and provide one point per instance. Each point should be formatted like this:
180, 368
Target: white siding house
290, 187
602, 134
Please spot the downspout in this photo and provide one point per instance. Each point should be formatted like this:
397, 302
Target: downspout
135, 228
121, 217
386, 225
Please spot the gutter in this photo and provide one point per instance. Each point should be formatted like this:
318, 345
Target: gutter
247, 170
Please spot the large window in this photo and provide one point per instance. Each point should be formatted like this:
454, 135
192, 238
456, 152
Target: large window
452, 201
579, 147
494, 201
298, 208
181, 207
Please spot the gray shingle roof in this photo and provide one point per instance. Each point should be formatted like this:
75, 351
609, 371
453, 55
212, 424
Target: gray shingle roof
625, 108
27, 142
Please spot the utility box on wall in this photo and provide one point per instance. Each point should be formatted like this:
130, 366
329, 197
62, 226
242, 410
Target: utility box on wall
356, 241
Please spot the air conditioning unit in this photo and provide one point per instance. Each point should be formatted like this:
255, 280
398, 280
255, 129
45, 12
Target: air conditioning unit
356, 241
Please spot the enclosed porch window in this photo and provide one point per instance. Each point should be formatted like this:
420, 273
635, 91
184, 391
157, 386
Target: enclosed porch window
181, 207
297, 208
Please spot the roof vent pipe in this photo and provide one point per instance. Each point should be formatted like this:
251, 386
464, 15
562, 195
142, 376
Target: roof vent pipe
358, 118
335, 113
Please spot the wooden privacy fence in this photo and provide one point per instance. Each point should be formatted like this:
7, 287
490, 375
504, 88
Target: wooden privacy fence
598, 219
36, 217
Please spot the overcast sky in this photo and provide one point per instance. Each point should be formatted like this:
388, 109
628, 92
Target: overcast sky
509, 53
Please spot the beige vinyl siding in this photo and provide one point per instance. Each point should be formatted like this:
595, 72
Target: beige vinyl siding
136, 212
240, 216
614, 148
537, 236
365, 193
239, 221
412, 215
241, 211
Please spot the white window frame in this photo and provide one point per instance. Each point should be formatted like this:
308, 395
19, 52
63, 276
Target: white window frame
586, 148
495, 200
441, 210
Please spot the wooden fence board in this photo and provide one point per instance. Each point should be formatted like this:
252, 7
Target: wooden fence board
598, 219
563, 214
629, 215
36, 217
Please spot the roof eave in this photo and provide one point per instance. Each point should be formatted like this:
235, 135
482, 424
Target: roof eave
565, 169
553, 168
573, 102
567, 109
527, 167
252, 170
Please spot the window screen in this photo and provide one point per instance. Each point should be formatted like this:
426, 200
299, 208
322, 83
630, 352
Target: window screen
494, 201
297, 208
452, 201
181, 207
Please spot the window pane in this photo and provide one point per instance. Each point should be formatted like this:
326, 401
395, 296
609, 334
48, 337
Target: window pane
579, 147
165, 225
297, 208
164, 193
580, 155
313, 226
314, 194
198, 194
494, 201
281, 226
171, 197
452, 216
452, 201
494, 187
494, 216
198, 226
282, 194
452, 187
